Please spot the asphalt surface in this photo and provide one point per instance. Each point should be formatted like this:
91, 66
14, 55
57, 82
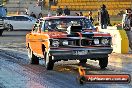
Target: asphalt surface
16, 72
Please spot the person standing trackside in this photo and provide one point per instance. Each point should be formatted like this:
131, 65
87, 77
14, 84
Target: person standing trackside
80, 14
127, 25
40, 15
40, 3
103, 17
90, 17
59, 11
66, 11
126, 19
33, 15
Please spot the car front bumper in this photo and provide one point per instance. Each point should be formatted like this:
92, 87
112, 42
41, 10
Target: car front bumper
2, 28
80, 53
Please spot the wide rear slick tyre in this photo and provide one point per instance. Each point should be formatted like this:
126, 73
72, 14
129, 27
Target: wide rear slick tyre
103, 62
49, 63
33, 59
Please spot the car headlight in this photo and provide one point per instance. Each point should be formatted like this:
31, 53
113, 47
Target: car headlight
105, 41
55, 43
5, 25
65, 42
96, 41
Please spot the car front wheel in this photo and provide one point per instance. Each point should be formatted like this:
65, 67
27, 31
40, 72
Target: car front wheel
103, 62
83, 61
33, 59
1, 32
10, 27
49, 63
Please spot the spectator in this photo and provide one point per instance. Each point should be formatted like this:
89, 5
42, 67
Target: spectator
90, 17
77, 14
103, 17
49, 14
40, 15
127, 25
59, 11
40, 3
66, 11
80, 14
33, 15
55, 2
127, 20
26, 11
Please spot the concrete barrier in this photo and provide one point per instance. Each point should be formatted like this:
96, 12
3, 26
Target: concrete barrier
120, 42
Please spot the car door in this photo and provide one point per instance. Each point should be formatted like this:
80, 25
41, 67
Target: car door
13, 22
20, 22
36, 41
26, 22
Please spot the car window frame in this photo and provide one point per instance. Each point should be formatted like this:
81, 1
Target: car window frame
87, 22
15, 18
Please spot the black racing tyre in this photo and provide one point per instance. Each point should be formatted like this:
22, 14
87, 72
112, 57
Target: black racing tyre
10, 27
83, 61
33, 59
82, 80
49, 63
103, 62
1, 32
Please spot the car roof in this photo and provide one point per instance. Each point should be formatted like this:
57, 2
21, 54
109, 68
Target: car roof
53, 17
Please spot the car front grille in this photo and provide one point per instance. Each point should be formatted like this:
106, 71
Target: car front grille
72, 42
1, 25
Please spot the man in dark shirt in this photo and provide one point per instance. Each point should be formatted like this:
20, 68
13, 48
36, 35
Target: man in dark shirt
66, 11
103, 17
33, 15
59, 11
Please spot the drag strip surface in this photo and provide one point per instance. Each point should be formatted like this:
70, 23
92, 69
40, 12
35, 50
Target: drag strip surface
16, 72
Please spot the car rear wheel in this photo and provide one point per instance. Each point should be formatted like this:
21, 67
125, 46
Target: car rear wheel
49, 63
33, 59
10, 27
103, 62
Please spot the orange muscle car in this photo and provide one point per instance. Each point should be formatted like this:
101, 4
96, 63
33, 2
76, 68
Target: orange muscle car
67, 38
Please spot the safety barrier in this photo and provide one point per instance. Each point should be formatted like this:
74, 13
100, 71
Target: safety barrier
120, 42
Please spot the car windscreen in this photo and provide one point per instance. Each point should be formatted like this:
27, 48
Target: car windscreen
7, 18
61, 24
